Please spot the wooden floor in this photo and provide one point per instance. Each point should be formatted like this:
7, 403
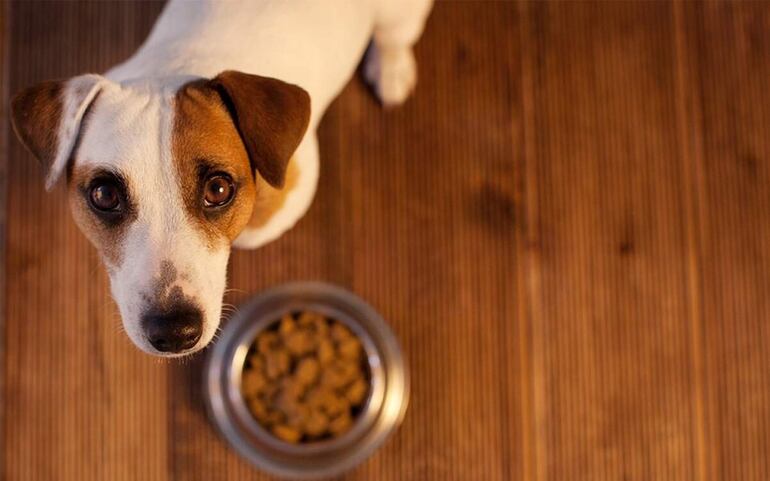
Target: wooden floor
568, 227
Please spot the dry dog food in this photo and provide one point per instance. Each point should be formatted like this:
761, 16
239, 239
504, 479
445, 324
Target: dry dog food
305, 378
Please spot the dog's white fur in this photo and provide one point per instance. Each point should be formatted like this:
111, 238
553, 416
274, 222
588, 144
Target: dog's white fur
80, 93
161, 232
315, 44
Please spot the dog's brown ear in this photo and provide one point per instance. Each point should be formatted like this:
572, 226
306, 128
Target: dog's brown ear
47, 118
271, 117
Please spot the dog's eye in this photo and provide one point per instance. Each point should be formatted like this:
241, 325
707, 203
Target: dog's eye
218, 190
105, 196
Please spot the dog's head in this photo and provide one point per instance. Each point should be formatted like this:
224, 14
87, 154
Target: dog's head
161, 179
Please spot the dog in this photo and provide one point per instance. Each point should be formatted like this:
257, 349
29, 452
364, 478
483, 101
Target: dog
205, 138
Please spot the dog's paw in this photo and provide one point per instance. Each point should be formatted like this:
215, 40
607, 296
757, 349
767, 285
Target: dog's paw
391, 72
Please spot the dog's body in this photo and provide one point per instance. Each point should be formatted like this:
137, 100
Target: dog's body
315, 44
204, 138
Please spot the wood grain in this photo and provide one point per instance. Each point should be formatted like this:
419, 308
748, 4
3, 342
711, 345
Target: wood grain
567, 227
615, 398
726, 51
4, 131
79, 402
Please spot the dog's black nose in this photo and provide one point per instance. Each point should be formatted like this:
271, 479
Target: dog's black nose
173, 330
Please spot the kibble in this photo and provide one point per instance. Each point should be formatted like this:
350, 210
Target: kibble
287, 326
317, 423
307, 371
350, 349
277, 363
305, 378
266, 342
340, 424
253, 383
299, 342
325, 352
287, 433
357, 392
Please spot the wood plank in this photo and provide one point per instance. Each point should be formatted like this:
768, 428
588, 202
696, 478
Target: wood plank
421, 224
79, 401
4, 137
440, 261
726, 48
611, 334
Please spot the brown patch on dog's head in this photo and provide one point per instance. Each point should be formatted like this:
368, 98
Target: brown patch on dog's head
247, 127
105, 233
205, 142
164, 294
47, 117
35, 114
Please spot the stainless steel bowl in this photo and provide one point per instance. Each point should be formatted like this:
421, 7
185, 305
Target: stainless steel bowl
383, 411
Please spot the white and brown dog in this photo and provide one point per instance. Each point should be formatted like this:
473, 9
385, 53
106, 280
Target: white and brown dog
206, 138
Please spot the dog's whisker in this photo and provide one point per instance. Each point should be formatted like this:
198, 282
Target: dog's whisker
117, 325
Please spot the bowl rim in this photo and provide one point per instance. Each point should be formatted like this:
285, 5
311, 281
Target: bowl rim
336, 455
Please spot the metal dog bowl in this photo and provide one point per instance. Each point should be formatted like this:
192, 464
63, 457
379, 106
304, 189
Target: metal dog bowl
382, 413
